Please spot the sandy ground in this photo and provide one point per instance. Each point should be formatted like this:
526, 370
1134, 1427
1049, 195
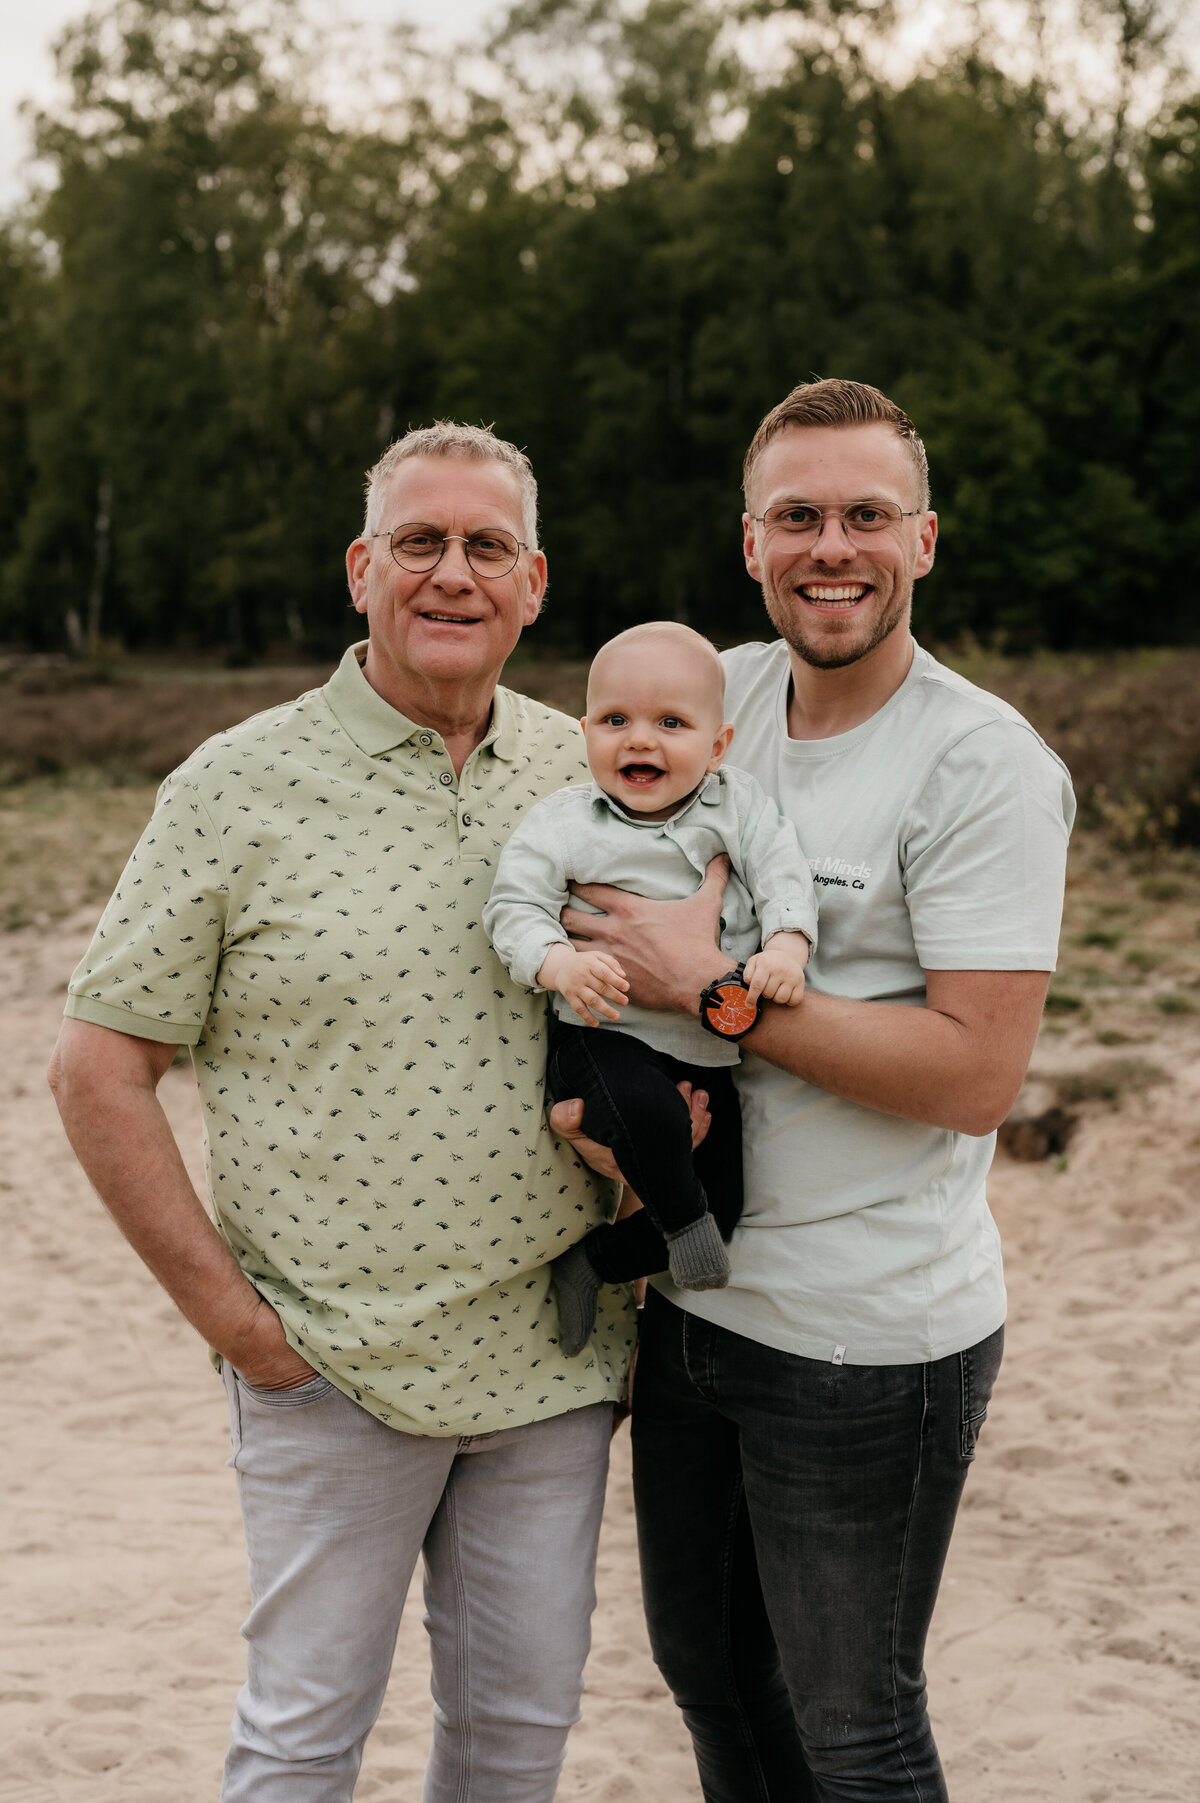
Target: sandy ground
1065, 1659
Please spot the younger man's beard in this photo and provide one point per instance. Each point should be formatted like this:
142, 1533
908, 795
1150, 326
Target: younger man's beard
837, 657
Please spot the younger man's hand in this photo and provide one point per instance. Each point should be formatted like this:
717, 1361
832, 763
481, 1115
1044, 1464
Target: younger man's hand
777, 972
566, 1120
590, 980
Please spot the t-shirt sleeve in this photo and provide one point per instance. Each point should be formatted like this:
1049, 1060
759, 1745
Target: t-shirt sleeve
152, 963
776, 868
985, 853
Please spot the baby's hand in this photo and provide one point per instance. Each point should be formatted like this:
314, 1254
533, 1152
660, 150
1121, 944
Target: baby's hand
588, 980
777, 972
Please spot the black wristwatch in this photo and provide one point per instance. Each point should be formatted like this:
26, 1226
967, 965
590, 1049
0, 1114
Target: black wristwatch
725, 1006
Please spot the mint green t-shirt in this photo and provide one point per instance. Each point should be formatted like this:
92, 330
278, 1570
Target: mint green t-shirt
936, 833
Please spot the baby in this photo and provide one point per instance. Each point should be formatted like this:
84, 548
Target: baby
660, 808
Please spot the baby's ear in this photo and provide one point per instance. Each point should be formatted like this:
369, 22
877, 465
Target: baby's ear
583, 722
721, 745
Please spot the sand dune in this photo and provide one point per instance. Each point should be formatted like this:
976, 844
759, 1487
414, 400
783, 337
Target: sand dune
1065, 1661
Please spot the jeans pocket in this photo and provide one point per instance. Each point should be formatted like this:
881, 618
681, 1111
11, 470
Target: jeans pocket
979, 1366
229, 1379
314, 1390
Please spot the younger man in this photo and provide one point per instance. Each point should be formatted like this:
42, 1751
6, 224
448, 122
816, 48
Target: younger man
659, 809
814, 1422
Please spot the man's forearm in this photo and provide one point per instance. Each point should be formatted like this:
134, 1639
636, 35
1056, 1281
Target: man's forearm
132, 1161
124, 1142
958, 1065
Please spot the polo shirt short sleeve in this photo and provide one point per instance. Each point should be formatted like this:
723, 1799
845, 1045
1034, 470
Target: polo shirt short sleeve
304, 911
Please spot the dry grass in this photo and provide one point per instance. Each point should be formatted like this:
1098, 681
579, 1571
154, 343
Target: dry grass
1108, 1081
63, 844
126, 723
1129, 965
130, 722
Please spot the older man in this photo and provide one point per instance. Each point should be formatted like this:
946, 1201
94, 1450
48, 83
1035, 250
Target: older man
802, 1437
303, 911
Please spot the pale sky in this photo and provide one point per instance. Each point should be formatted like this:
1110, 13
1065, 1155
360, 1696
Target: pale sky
27, 28
27, 72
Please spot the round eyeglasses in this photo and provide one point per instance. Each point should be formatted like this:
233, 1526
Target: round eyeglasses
490, 552
804, 519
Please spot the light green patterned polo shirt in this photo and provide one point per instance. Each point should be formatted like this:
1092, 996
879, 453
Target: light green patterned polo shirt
303, 910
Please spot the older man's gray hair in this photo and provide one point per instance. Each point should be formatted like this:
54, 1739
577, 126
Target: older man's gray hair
477, 444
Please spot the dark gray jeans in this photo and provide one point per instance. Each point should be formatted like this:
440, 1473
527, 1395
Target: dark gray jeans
793, 1519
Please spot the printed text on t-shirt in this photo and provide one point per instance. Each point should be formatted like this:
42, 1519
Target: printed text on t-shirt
836, 873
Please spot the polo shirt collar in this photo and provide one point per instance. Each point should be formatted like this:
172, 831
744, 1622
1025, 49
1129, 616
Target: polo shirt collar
501, 736
376, 726
708, 795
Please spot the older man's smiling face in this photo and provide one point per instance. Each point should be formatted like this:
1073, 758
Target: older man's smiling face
832, 599
447, 630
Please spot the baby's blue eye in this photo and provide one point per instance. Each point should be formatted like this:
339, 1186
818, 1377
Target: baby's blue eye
671, 720
614, 719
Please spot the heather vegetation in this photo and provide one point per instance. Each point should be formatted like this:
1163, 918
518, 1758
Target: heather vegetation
620, 235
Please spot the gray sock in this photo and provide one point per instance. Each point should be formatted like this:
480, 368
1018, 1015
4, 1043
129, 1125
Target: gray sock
576, 1286
698, 1257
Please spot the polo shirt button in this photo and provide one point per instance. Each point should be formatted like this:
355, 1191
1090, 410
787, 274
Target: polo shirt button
445, 777
425, 739
466, 820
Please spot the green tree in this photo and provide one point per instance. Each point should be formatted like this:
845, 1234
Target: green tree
226, 303
210, 247
17, 289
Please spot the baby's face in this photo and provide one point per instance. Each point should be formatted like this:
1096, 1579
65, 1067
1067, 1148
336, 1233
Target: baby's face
653, 726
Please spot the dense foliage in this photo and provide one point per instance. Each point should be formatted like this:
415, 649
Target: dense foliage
228, 298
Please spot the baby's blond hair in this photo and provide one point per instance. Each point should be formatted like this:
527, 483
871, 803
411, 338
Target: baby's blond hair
684, 638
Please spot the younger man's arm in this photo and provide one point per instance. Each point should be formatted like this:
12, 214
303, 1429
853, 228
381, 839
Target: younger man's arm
957, 1063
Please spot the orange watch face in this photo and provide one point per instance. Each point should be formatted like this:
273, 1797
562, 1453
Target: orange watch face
733, 1013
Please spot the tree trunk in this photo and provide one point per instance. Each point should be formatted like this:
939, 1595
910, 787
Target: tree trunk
100, 561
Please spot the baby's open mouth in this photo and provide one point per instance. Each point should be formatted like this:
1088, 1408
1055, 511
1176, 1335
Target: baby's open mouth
643, 774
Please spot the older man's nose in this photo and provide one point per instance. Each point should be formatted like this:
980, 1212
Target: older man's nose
453, 573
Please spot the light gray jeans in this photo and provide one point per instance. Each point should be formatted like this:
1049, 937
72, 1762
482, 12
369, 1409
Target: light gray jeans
336, 1508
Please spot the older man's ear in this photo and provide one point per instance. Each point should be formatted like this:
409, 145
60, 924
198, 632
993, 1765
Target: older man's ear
358, 556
